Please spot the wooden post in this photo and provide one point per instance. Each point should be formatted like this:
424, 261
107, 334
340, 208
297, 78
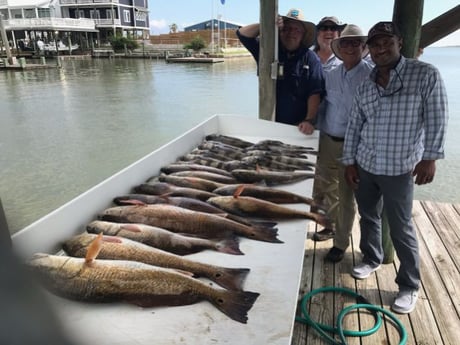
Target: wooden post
407, 14
267, 85
9, 56
5, 237
387, 244
440, 27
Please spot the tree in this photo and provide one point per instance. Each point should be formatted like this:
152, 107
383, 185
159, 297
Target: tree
119, 42
196, 43
173, 28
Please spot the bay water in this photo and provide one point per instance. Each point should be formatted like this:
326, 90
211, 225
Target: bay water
62, 131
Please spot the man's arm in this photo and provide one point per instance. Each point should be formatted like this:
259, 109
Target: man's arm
307, 125
250, 31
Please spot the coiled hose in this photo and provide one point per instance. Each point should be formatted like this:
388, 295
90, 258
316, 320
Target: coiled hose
362, 303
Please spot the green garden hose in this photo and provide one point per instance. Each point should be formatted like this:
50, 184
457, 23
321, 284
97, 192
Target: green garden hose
323, 330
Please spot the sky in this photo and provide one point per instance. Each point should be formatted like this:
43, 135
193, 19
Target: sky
364, 13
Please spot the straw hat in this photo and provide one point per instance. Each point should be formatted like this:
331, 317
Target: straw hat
350, 31
310, 30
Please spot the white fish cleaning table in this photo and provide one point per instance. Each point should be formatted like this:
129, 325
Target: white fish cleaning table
275, 267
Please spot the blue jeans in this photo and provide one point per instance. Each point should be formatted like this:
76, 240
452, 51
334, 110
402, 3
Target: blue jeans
396, 192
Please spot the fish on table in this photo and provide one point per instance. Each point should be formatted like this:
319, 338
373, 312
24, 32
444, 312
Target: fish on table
185, 202
164, 239
254, 207
163, 188
212, 162
270, 177
229, 140
276, 195
205, 175
134, 282
190, 182
119, 248
181, 220
270, 164
221, 147
186, 166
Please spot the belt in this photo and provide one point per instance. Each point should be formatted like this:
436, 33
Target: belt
335, 138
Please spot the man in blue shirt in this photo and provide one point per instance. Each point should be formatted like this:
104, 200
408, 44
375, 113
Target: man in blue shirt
395, 134
299, 87
341, 84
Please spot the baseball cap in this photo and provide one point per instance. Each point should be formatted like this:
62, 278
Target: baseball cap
383, 28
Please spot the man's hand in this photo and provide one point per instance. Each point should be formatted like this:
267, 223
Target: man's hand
424, 172
352, 176
306, 127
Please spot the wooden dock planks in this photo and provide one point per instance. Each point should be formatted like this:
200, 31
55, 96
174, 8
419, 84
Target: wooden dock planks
436, 320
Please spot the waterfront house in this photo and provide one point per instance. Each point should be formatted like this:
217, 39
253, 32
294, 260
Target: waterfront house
112, 17
33, 24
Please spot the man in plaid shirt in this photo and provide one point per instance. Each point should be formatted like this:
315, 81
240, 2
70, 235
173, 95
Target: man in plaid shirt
395, 133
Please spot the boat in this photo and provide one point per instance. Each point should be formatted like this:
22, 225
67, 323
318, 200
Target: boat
51, 47
275, 267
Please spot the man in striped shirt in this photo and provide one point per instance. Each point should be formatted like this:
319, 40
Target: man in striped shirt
395, 134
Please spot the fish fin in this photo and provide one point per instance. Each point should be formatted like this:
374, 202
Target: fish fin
130, 202
230, 278
165, 197
263, 223
94, 248
183, 272
131, 227
112, 239
235, 304
229, 246
239, 190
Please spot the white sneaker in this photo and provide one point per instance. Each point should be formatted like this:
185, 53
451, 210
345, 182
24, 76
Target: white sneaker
363, 270
405, 301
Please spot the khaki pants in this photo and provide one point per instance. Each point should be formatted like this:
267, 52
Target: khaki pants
331, 190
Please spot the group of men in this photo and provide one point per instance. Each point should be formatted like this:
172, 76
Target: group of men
382, 122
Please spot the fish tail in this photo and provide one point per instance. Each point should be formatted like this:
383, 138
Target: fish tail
229, 246
235, 304
230, 278
263, 223
321, 219
265, 234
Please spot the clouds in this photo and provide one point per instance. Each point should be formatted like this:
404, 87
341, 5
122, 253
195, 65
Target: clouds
158, 26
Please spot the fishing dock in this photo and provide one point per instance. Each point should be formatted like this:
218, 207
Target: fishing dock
436, 319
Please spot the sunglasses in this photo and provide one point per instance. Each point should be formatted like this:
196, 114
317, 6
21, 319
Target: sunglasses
293, 29
350, 43
328, 27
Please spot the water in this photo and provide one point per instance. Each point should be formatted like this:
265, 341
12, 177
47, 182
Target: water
64, 131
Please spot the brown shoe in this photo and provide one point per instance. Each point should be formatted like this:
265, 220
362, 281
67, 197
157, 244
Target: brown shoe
334, 255
323, 235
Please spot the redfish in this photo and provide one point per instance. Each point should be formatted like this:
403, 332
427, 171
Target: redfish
119, 248
254, 207
134, 282
181, 220
165, 239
